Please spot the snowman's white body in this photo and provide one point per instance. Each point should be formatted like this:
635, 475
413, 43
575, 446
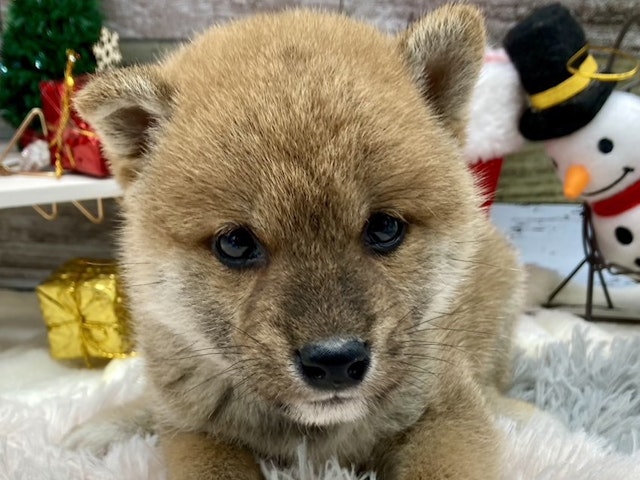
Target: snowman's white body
615, 251
611, 173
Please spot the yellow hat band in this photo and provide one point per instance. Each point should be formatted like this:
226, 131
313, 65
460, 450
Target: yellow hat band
572, 86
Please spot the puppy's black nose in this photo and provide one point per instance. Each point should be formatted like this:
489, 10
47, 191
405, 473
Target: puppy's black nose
334, 364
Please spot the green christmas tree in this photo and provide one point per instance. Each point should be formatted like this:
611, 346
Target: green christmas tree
34, 44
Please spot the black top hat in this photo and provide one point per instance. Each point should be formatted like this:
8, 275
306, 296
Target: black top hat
540, 46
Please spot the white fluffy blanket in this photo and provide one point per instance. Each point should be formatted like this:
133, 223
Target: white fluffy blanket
586, 378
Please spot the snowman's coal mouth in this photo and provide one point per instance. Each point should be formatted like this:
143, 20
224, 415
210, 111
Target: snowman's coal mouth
626, 170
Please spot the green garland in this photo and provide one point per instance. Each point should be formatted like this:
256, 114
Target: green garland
34, 44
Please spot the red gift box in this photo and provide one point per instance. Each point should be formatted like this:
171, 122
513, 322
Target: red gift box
79, 149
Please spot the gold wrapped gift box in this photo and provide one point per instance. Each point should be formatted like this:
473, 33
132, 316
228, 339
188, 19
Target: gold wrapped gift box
84, 309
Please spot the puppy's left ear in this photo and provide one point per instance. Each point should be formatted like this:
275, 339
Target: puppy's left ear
444, 52
127, 108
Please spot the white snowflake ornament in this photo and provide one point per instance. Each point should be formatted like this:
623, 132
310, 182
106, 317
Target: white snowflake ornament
107, 50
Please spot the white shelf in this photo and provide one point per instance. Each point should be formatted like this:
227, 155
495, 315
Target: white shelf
27, 190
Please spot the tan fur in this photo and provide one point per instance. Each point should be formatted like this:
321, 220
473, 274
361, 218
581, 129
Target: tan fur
300, 125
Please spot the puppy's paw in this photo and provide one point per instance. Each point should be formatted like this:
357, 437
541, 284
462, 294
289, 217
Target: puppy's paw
95, 437
109, 427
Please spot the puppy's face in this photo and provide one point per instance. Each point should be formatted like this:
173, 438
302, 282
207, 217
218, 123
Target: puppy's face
296, 206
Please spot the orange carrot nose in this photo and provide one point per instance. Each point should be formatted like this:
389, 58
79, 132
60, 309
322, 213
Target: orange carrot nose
575, 181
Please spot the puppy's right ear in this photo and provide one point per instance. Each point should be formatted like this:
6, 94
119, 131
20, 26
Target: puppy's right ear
126, 107
444, 52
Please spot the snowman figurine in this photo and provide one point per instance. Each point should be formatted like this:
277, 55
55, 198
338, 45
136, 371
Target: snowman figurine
590, 131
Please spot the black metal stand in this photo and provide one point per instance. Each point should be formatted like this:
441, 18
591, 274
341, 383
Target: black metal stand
596, 264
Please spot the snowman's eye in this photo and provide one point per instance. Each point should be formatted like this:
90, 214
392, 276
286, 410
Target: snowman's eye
605, 145
554, 163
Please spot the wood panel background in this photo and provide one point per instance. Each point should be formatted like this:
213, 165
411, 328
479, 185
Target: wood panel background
144, 19
31, 247
180, 19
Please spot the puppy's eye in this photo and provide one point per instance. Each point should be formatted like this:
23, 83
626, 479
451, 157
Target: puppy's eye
384, 233
605, 145
238, 249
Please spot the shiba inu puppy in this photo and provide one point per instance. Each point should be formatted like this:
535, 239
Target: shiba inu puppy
304, 249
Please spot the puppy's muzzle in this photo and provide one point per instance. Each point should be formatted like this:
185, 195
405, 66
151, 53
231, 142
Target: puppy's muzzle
334, 364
